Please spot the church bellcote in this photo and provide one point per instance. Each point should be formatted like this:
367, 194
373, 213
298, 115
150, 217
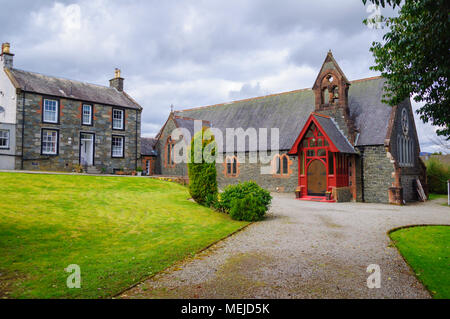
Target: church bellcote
331, 96
331, 86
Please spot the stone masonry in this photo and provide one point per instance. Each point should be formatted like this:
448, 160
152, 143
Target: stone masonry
69, 128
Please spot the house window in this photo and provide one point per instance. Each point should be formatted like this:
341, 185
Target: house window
49, 143
118, 119
50, 111
231, 166
4, 139
169, 153
117, 146
281, 163
87, 114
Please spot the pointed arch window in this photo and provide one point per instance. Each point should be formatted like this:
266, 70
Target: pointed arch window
169, 158
231, 166
405, 151
281, 165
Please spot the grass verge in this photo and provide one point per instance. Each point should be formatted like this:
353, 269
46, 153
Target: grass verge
427, 250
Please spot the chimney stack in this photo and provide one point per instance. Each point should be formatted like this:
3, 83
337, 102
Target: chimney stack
6, 56
117, 81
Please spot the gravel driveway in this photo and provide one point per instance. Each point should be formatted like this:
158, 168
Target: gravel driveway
302, 250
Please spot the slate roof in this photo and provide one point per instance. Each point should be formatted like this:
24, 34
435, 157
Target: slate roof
188, 123
335, 134
148, 146
49, 85
289, 112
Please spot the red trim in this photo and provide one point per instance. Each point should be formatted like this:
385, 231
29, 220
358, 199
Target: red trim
317, 199
294, 148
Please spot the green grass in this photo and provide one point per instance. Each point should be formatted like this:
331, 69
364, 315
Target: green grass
432, 196
119, 230
427, 251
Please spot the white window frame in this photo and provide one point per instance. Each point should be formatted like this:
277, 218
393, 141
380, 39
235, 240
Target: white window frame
50, 116
4, 135
115, 119
54, 139
89, 122
114, 149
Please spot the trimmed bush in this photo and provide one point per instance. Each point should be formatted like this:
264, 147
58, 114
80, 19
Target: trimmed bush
202, 175
437, 175
235, 201
249, 208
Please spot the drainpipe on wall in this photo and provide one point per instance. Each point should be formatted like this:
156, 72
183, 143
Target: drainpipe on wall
23, 127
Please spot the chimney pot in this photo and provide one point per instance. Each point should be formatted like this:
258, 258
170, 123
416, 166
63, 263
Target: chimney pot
117, 81
7, 58
5, 48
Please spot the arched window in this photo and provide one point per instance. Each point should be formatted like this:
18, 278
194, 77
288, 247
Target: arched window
281, 165
231, 166
326, 96
405, 151
169, 158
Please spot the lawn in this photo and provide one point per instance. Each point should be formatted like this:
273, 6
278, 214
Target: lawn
119, 230
427, 251
433, 196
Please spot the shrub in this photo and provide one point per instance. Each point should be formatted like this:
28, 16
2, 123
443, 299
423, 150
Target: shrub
236, 198
437, 175
249, 208
202, 175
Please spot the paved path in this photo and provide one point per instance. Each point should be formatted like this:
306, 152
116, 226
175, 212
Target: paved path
303, 250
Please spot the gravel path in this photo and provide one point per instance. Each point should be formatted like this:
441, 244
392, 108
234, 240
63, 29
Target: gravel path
302, 250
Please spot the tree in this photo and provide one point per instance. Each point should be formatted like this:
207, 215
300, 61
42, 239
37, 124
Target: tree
414, 57
202, 168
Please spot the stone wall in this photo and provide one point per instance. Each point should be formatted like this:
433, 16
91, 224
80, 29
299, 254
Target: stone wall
342, 194
69, 129
252, 172
378, 174
408, 174
161, 165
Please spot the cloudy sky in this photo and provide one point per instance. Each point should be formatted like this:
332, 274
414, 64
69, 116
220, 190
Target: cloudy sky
192, 53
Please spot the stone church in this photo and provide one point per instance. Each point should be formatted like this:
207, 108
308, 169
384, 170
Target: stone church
337, 141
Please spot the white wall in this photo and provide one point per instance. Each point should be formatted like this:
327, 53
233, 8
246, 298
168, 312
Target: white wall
8, 101
8, 98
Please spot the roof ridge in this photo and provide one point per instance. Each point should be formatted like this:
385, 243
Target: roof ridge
244, 100
188, 118
269, 95
367, 79
322, 115
61, 78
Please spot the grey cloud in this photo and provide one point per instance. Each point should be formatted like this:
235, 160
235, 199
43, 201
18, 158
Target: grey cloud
192, 52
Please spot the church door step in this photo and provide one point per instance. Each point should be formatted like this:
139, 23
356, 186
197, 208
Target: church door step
317, 199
